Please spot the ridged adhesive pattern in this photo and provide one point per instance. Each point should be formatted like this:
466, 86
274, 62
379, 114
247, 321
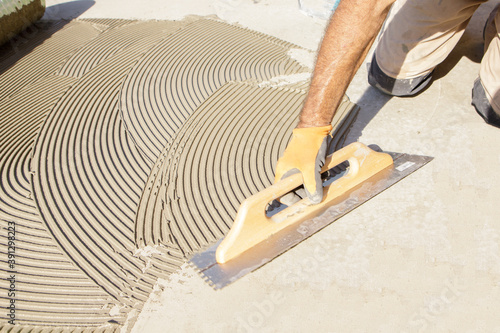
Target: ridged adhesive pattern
47, 280
168, 84
87, 174
53, 291
126, 146
219, 158
50, 54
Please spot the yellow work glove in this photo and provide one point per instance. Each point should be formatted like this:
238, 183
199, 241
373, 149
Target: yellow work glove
306, 154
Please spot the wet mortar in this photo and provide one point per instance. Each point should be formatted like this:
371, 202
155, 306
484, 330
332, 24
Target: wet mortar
126, 146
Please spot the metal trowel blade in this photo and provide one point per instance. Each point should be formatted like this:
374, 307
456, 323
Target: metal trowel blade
220, 275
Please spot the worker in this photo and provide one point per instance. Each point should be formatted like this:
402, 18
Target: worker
415, 38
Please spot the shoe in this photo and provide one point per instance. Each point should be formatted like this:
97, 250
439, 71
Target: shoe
483, 106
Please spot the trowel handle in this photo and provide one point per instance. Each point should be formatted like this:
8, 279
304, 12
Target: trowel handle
252, 226
355, 153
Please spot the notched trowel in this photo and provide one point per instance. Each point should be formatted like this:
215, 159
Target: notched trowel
256, 238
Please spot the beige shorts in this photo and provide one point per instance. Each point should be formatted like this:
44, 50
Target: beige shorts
419, 34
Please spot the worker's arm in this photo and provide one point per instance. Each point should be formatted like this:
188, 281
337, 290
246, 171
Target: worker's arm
349, 36
350, 33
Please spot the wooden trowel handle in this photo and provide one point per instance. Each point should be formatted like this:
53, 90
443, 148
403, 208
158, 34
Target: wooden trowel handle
252, 226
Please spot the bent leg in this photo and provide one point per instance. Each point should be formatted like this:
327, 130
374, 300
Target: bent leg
417, 36
486, 91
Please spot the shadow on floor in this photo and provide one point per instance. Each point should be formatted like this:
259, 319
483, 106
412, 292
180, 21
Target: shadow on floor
68, 10
24, 42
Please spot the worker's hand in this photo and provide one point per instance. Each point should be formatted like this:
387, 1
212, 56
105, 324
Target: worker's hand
305, 153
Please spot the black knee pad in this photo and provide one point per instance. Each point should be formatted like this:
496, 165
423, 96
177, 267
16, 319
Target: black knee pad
482, 105
396, 87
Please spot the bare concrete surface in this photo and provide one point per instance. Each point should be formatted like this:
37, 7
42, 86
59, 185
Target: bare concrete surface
421, 257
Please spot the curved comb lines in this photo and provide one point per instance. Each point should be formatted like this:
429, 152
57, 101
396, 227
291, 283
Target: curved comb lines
168, 84
239, 175
37, 64
142, 120
114, 39
214, 163
218, 159
87, 208
50, 288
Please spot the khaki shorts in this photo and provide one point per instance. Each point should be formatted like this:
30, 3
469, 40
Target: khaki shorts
419, 34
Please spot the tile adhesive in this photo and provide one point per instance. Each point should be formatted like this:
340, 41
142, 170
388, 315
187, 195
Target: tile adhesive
125, 147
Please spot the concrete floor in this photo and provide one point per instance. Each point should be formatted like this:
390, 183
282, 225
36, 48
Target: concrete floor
423, 256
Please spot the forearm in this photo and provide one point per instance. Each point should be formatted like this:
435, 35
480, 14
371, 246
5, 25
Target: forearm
348, 38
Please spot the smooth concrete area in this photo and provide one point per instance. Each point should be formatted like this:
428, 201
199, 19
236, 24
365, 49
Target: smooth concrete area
423, 256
